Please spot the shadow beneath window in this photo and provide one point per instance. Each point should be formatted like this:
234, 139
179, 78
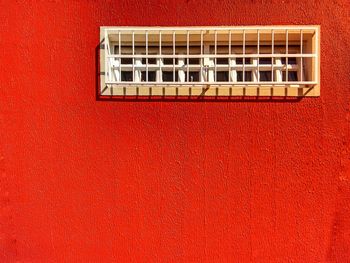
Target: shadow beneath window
191, 98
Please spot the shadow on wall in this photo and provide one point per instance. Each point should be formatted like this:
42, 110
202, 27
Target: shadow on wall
190, 98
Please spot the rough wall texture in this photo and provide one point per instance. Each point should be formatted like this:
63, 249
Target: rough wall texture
100, 181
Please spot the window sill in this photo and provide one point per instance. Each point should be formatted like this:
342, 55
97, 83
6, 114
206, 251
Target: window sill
161, 89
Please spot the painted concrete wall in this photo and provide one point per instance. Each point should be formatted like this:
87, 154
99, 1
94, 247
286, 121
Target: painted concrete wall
84, 180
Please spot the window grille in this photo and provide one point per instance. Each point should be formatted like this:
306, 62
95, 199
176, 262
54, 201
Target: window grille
264, 60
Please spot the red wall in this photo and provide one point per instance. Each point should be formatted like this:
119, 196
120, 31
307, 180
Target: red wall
84, 180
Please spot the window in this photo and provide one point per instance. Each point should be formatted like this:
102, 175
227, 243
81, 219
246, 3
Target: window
247, 76
194, 58
151, 76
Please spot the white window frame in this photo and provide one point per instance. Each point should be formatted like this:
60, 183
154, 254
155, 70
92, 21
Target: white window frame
111, 67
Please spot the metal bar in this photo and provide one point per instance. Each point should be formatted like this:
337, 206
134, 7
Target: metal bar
202, 42
133, 53
160, 57
301, 58
146, 56
272, 52
243, 72
120, 52
229, 52
174, 54
282, 83
287, 54
188, 53
221, 67
215, 53
201, 59
107, 67
217, 56
258, 51
160, 43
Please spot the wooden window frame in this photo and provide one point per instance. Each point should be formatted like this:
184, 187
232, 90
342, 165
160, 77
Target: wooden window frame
209, 44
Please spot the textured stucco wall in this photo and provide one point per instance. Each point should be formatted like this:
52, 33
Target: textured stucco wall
101, 181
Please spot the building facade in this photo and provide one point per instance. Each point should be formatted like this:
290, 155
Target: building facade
240, 179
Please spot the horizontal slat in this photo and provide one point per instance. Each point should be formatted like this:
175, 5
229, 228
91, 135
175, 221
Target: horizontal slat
222, 67
199, 28
214, 90
217, 56
249, 83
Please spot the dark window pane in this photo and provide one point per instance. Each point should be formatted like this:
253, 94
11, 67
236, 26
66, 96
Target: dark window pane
265, 75
292, 76
126, 60
247, 76
222, 61
264, 61
168, 76
127, 76
239, 61
193, 61
169, 61
150, 61
193, 76
222, 76
151, 76
291, 61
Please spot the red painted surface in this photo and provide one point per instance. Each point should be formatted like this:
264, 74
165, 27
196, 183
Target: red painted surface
84, 180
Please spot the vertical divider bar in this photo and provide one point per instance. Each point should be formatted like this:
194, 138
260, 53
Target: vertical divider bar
174, 56
110, 61
287, 55
146, 56
229, 52
133, 56
106, 57
188, 52
243, 72
258, 49
120, 52
272, 53
317, 58
215, 53
301, 57
201, 59
160, 57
